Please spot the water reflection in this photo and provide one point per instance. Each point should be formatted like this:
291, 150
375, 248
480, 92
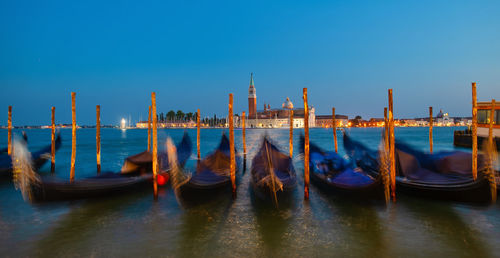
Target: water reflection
326, 225
76, 231
200, 227
443, 224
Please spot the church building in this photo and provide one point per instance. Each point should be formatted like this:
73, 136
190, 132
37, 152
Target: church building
277, 117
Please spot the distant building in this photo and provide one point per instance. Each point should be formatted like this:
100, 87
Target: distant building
252, 99
325, 121
275, 118
182, 124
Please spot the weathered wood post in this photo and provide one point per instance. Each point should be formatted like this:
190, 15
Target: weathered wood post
291, 134
430, 129
155, 145
9, 132
53, 141
98, 137
491, 155
392, 149
334, 126
385, 168
149, 129
492, 121
474, 131
231, 145
386, 127
306, 145
243, 135
198, 134
73, 137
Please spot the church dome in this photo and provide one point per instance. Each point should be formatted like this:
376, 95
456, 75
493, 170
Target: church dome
287, 104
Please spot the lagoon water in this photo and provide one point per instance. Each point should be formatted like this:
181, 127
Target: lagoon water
134, 225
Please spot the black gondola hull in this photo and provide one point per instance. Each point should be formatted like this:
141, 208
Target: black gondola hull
50, 190
372, 191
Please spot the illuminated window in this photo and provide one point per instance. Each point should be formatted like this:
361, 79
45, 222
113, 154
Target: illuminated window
483, 116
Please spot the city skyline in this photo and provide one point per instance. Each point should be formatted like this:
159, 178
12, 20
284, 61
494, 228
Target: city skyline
194, 55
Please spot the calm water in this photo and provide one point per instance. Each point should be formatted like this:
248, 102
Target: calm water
135, 225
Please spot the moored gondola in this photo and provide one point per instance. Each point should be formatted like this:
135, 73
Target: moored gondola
273, 175
415, 179
39, 158
330, 172
212, 175
103, 185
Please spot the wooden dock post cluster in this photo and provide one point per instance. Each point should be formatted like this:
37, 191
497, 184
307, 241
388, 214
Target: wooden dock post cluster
290, 145
231, 146
73, 137
98, 137
306, 145
198, 134
9, 133
155, 145
474, 131
430, 130
392, 149
243, 136
334, 126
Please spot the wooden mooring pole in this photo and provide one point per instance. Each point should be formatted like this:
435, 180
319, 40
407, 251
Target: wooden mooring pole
334, 126
474, 131
386, 127
306, 145
149, 129
491, 153
430, 130
198, 134
290, 144
155, 145
98, 137
392, 149
231, 145
492, 121
385, 168
53, 141
9, 132
73, 137
243, 136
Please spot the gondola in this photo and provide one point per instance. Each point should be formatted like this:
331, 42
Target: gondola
414, 179
273, 176
104, 184
332, 173
38, 157
6, 150
212, 175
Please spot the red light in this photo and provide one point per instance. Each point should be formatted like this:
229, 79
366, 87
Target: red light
161, 179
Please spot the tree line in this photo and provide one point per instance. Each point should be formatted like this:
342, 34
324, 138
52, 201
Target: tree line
180, 116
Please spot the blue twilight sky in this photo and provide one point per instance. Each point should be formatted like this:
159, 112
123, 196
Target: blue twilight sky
193, 54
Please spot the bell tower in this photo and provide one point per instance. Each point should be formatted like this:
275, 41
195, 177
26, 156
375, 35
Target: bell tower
252, 100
